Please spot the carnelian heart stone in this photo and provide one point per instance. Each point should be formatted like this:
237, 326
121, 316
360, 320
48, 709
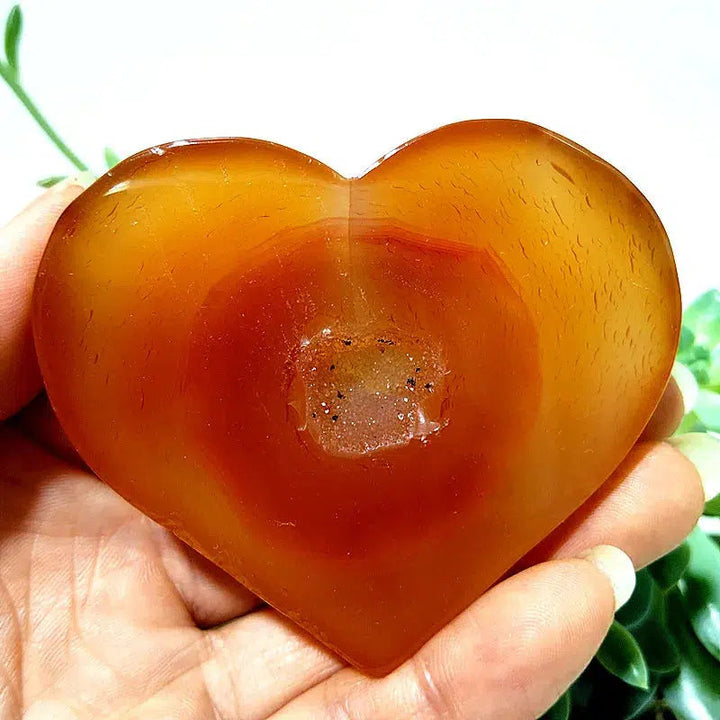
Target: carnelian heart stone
363, 398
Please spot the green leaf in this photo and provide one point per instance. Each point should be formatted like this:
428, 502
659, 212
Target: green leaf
50, 181
707, 409
561, 709
687, 339
712, 507
698, 360
620, 655
598, 695
637, 701
653, 637
582, 689
636, 609
658, 648
693, 694
714, 369
690, 423
703, 319
698, 352
111, 158
700, 588
669, 569
13, 31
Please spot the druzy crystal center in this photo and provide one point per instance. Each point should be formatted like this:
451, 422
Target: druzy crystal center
358, 395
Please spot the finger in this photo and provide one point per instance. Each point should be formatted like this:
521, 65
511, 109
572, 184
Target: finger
45, 496
703, 450
211, 596
668, 414
38, 422
510, 655
260, 662
647, 508
22, 243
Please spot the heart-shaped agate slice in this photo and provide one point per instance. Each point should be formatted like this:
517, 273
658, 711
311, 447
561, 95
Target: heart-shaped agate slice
364, 398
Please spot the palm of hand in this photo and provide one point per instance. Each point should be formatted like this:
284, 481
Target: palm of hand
100, 610
105, 614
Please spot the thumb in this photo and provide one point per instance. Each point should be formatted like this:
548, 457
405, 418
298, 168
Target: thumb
22, 243
511, 654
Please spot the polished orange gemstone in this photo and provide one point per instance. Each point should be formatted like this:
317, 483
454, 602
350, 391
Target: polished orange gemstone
366, 399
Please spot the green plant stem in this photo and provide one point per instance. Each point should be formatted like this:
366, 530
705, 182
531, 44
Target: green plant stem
9, 76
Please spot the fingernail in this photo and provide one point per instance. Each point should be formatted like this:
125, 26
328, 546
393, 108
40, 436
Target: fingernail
617, 567
703, 451
82, 180
687, 384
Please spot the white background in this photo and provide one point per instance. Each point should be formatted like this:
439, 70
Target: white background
637, 82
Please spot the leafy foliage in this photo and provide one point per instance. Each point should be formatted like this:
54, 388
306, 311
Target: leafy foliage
694, 693
700, 353
699, 588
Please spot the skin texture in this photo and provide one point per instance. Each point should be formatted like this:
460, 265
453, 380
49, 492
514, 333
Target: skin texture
354, 392
105, 614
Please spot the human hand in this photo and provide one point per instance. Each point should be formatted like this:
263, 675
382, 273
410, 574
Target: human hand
105, 614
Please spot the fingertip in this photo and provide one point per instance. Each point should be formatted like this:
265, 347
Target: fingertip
554, 615
703, 451
687, 386
617, 567
668, 414
648, 506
